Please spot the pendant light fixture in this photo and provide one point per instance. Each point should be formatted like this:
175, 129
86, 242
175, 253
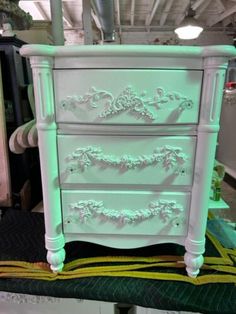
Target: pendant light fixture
189, 28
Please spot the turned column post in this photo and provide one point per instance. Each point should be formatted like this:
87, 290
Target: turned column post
47, 137
213, 83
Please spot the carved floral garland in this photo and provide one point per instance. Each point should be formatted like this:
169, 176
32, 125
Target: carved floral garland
86, 157
84, 210
127, 100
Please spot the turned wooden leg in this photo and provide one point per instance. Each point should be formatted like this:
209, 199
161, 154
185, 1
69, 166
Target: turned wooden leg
56, 253
56, 258
193, 263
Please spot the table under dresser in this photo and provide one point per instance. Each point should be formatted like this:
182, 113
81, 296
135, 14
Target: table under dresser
127, 138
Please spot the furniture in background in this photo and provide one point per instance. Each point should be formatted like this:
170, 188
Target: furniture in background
16, 76
127, 138
226, 150
5, 178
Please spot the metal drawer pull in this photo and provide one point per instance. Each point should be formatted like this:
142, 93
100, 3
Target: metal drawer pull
87, 209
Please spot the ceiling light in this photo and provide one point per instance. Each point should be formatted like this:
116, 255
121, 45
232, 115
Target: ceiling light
189, 29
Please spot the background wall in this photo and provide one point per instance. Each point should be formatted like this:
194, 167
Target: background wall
41, 34
169, 38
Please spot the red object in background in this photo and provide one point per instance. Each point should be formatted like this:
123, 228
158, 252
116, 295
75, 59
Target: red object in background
230, 85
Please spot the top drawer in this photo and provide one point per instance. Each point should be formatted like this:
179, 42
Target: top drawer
127, 96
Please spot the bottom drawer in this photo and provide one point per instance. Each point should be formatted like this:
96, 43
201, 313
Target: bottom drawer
125, 212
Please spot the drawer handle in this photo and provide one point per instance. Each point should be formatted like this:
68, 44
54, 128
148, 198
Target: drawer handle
87, 209
128, 100
85, 157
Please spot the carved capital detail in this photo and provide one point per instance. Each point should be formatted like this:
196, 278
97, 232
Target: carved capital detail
85, 157
128, 100
167, 211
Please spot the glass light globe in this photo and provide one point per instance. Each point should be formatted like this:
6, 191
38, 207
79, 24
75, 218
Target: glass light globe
188, 31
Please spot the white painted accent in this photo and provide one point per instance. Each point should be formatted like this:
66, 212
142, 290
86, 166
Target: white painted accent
124, 240
183, 129
109, 186
173, 223
128, 51
214, 74
133, 146
137, 62
83, 97
44, 103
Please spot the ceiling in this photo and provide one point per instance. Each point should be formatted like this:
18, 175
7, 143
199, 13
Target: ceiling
139, 15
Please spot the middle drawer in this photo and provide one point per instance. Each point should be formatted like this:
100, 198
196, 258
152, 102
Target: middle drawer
141, 160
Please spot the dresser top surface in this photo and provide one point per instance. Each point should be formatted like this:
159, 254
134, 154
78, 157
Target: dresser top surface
129, 51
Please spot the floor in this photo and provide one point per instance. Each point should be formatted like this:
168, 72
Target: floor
54, 305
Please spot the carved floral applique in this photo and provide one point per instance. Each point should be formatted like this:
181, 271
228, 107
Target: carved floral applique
128, 100
84, 210
85, 157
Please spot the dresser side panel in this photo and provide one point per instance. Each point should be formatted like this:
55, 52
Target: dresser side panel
90, 87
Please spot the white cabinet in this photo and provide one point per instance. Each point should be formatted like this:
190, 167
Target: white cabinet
127, 138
